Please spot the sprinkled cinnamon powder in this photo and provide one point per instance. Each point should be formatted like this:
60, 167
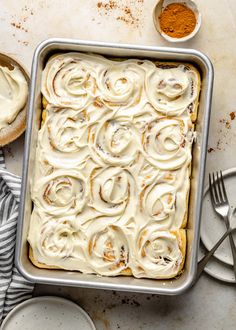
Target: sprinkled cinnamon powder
128, 12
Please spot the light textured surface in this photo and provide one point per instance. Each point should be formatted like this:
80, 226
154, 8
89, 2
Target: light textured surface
210, 304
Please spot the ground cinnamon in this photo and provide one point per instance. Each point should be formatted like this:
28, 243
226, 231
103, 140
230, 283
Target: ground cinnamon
177, 20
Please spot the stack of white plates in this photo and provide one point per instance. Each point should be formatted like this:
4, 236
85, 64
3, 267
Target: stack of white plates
48, 313
213, 227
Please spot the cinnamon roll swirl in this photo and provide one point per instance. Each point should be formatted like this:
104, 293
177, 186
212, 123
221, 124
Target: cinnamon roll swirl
113, 192
171, 91
158, 254
167, 143
114, 142
158, 201
69, 80
53, 240
62, 140
107, 250
121, 84
62, 192
164, 200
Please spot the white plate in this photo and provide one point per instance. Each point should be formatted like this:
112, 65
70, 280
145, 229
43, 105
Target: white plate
47, 313
212, 226
216, 268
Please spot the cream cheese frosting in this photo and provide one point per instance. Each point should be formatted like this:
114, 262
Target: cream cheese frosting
13, 94
157, 254
112, 168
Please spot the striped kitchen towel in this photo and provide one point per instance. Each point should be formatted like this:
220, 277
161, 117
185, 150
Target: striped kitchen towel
13, 287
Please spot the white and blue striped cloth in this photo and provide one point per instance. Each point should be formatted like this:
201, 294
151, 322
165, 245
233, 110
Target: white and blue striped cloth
13, 287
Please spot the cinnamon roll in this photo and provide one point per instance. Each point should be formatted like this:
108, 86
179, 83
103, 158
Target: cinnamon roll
13, 94
62, 192
53, 240
165, 200
69, 80
172, 90
167, 143
62, 140
107, 250
113, 192
121, 85
158, 254
114, 142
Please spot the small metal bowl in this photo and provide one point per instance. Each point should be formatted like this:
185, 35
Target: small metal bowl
160, 6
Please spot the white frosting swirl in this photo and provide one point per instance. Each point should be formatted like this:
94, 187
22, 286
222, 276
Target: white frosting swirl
166, 143
114, 141
13, 94
54, 240
159, 200
107, 250
69, 80
171, 90
156, 254
60, 193
67, 132
62, 140
121, 84
113, 191
164, 199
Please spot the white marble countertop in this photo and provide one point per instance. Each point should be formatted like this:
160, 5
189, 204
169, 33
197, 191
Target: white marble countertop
24, 23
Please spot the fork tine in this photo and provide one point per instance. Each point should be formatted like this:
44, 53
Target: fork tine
218, 181
211, 190
215, 188
223, 187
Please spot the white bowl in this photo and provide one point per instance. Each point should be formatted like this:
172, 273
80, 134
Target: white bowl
160, 6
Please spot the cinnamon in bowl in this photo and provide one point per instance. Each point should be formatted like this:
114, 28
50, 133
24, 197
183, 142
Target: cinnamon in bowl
177, 20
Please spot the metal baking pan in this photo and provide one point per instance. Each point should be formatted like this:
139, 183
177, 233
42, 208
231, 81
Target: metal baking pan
122, 283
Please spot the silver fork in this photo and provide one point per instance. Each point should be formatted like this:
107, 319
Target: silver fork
220, 203
203, 262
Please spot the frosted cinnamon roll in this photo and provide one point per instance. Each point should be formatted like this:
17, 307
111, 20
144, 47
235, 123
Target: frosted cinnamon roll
158, 254
62, 192
67, 131
69, 80
121, 84
113, 192
172, 90
158, 201
164, 200
114, 141
57, 242
167, 143
107, 250
63, 137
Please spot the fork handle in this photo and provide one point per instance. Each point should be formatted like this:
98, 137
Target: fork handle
202, 263
232, 244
